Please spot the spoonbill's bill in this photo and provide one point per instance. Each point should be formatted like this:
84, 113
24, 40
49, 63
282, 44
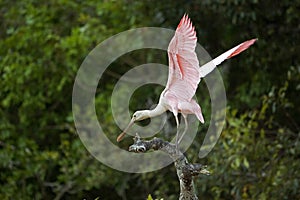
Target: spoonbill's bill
184, 77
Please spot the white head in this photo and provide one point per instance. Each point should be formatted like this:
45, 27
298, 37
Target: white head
140, 115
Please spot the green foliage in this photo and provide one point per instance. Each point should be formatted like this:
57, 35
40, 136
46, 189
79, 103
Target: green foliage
42, 46
149, 197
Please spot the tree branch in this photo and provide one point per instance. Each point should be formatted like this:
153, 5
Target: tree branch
185, 170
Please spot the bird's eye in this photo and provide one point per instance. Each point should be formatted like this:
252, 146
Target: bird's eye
134, 115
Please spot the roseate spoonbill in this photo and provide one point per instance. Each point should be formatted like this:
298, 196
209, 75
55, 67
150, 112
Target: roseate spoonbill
184, 77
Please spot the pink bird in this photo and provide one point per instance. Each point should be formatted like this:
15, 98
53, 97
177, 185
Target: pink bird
184, 77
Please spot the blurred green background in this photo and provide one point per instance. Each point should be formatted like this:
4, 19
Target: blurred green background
43, 43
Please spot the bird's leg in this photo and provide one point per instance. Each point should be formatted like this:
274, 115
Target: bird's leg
177, 133
185, 128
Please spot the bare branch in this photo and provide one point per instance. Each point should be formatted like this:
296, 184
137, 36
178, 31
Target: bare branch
185, 170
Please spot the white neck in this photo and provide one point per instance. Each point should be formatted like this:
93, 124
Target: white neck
158, 110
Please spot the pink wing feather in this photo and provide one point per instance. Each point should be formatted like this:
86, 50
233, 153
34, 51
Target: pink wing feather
184, 71
208, 67
184, 74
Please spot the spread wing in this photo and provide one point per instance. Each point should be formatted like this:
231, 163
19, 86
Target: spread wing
184, 74
208, 67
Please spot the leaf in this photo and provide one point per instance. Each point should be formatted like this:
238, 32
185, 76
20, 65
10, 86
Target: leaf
246, 163
149, 197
